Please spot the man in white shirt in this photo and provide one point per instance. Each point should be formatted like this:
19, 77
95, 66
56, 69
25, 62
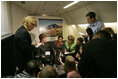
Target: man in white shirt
94, 24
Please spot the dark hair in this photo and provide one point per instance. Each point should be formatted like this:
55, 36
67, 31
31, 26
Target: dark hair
80, 39
41, 36
48, 72
60, 37
102, 34
89, 31
91, 15
110, 30
32, 67
53, 26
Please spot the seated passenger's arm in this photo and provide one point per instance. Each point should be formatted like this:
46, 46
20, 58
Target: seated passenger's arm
60, 60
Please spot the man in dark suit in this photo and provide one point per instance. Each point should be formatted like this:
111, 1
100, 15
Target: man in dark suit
99, 57
23, 46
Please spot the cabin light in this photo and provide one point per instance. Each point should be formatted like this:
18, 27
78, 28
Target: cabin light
82, 25
73, 26
42, 29
110, 24
44, 15
71, 4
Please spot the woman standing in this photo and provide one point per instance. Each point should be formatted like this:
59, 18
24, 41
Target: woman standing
23, 44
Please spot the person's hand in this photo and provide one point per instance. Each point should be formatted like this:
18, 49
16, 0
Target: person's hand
69, 52
60, 60
17, 68
77, 55
43, 56
34, 43
85, 35
54, 51
76, 62
42, 66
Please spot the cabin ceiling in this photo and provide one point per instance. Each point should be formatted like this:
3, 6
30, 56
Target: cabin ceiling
105, 10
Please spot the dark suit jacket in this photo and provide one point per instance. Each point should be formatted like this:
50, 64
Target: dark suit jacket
23, 47
42, 49
99, 59
77, 48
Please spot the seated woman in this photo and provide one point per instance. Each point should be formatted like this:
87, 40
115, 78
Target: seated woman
43, 48
58, 48
70, 67
70, 45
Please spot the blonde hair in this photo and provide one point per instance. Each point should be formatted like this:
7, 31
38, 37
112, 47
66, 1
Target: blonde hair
29, 21
71, 37
69, 64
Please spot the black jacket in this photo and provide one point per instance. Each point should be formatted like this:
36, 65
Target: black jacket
23, 47
42, 49
58, 49
99, 59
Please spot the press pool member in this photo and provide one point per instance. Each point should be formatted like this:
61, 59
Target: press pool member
93, 27
23, 43
94, 24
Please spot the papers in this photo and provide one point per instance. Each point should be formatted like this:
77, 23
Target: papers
47, 53
38, 45
81, 33
68, 52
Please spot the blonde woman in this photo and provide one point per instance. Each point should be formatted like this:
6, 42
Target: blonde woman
23, 46
70, 45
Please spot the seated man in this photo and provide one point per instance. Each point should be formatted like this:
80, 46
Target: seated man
77, 49
78, 55
30, 71
79, 43
99, 57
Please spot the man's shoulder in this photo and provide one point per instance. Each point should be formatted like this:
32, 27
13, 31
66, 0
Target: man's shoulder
99, 22
22, 75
